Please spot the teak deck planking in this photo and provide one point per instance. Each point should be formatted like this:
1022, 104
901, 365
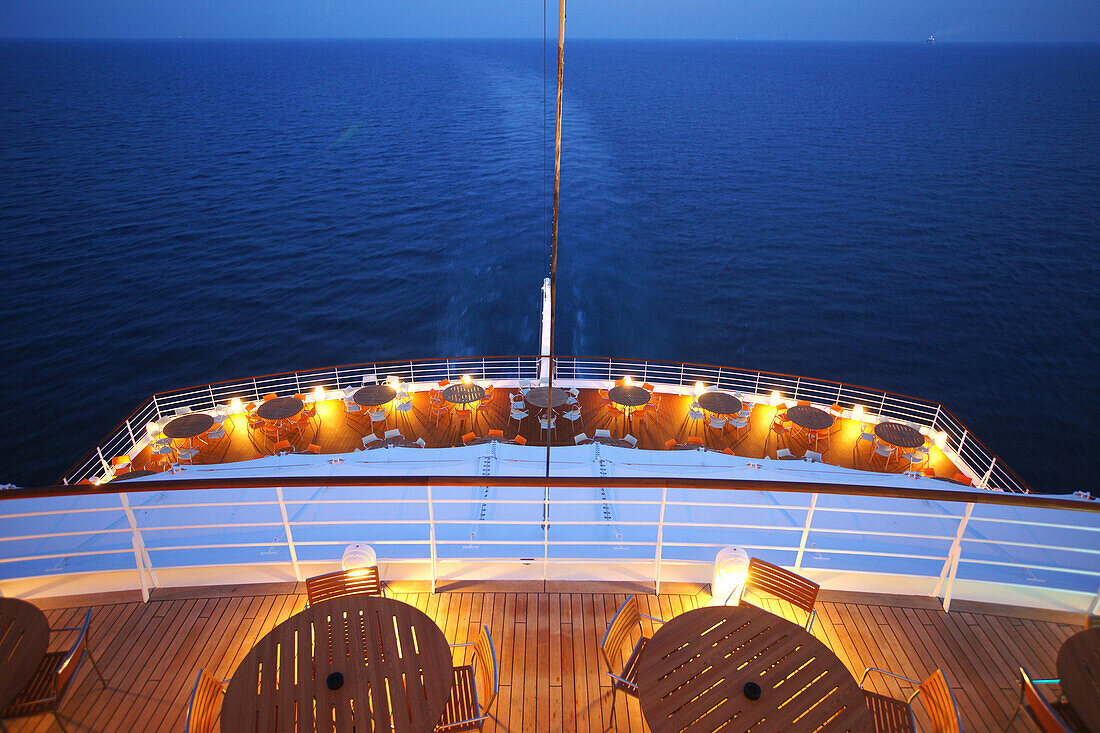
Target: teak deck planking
338, 432
547, 644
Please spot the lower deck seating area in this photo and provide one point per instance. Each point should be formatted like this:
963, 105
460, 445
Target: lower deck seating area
672, 421
547, 640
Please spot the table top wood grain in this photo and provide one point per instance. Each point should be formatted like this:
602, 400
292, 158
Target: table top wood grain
280, 408
1079, 670
189, 426
809, 417
897, 434
631, 396
395, 663
541, 397
464, 394
374, 395
720, 403
693, 672
24, 638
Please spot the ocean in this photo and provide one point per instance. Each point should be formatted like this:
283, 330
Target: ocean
920, 219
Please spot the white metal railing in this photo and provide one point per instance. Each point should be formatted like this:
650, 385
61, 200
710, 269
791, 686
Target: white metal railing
978, 462
658, 530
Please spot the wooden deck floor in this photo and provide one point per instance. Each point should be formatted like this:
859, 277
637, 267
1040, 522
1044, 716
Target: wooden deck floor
547, 644
335, 432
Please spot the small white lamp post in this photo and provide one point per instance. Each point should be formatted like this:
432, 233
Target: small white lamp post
318, 393
359, 556
699, 387
731, 566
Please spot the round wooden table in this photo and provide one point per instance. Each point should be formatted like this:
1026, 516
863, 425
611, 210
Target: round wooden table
541, 397
394, 662
374, 395
897, 434
629, 396
280, 408
464, 394
1079, 670
720, 403
693, 674
809, 418
24, 638
188, 426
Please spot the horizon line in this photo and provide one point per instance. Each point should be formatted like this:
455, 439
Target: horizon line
921, 41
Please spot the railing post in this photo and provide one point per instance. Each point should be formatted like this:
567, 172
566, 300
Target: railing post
660, 540
297, 384
431, 535
681, 375
255, 389
156, 407
756, 387
145, 564
951, 565
213, 402
989, 472
797, 384
130, 430
805, 532
882, 404
839, 389
140, 570
103, 461
1094, 607
289, 536
936, 417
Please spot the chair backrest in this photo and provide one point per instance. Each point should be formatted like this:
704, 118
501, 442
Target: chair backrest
763, 577
71, 663
1040, 709
627, 618
603, 433
519, 440
393, 433
361, 582
695, 440
496, 434
670, 443
269, 397
485, 668
468, 437
580, 438
202, 711
939, 702
631, 439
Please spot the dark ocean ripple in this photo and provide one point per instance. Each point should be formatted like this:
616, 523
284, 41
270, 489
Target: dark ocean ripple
911, 218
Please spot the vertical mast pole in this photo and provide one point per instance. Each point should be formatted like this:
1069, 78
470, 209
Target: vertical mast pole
554, 240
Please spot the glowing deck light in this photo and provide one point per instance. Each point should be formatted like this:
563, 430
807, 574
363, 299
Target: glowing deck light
699, 387
235, 406
628, 381
467, 379
857, 413
776, 397
940, 439
318, 393
393, 380
731, 567
359, 556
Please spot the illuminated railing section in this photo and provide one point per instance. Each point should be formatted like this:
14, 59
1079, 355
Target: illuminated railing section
653, 530
978, 462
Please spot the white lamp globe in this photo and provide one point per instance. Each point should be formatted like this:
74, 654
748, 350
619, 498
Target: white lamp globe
358, 556
731, 566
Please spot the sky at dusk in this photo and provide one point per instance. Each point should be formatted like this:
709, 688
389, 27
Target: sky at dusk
824, 20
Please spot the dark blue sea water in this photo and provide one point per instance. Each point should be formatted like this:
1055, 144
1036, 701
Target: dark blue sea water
919, 219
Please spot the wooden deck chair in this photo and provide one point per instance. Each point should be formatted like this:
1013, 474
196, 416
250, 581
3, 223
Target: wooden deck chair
895, 716
360, 582
464, 711
765, 578
626, 620
203, 710
1040, 711
46, 689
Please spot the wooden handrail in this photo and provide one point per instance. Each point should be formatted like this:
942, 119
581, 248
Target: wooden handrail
1038, 501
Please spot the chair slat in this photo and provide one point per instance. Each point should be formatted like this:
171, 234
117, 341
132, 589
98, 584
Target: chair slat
342, 583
